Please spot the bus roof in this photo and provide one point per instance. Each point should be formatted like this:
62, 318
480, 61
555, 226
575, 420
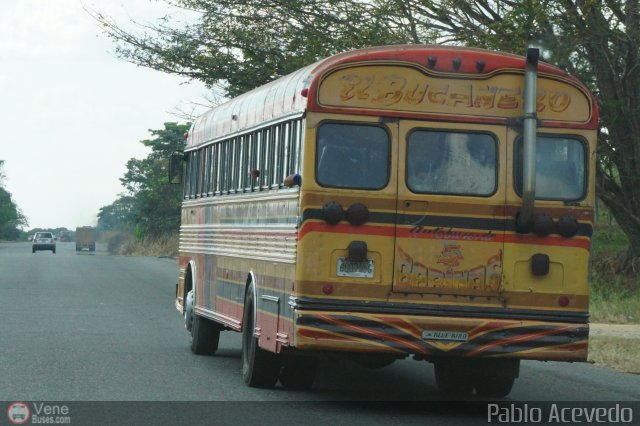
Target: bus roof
298, 92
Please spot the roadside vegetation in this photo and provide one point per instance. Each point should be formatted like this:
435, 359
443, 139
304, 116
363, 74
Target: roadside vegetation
615, 289
126, 243
145, 218
11, 217
617, 352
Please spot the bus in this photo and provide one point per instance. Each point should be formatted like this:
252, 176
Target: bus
409, 200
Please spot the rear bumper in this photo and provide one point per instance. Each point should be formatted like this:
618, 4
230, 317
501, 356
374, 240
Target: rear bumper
43, 246
454, 336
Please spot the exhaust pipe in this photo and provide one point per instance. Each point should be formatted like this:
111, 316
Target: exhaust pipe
525, 218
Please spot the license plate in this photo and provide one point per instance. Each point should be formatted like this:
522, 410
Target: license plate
446, 336
347, 268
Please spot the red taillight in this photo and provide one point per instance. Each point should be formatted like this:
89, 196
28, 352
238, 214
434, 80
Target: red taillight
563, 301
327, 289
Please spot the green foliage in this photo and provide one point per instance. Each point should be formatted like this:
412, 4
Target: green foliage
607, 241
239, 44
151, 206
615, 296
117, 215
11, 218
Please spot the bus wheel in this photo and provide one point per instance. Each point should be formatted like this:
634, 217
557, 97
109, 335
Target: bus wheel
205, 336
298, 372
260, 368
452, 377
494, 377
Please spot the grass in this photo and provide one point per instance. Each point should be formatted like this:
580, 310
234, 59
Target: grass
613, 302
124, 243
615, 298
608, 240
619, 353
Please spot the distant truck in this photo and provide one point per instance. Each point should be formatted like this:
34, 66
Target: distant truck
86, 238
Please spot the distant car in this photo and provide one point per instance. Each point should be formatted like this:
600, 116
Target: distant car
43, 241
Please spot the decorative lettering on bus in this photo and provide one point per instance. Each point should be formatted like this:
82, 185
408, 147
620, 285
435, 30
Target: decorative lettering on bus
439, 233
486, 275
406, 89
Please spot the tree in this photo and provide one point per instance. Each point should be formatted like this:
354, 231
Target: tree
11, 218
117, 215
151, 204
240, 44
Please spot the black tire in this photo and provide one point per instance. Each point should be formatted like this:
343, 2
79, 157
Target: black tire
495, 387
54, 251
260, 368
452, 377
298, 372
33, 250
494, 377
205, 336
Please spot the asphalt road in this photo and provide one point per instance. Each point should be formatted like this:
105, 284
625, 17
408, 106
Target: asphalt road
94, 327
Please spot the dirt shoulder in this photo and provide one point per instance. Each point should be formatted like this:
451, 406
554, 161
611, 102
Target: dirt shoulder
615, 346
629, 331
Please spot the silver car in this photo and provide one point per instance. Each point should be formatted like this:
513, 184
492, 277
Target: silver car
43, 241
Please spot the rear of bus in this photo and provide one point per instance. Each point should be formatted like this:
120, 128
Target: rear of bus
410, 241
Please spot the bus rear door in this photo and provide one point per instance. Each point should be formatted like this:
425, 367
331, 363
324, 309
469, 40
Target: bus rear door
451, 215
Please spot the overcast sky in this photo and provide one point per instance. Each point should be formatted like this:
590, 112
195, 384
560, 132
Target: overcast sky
72, 113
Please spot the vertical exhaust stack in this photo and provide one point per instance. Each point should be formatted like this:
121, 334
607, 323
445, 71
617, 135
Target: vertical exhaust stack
525, 218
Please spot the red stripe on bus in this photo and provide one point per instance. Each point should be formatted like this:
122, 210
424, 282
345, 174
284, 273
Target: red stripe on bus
385, 231
458, 235
547, 241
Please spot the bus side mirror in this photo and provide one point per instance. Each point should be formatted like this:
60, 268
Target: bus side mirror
175, 167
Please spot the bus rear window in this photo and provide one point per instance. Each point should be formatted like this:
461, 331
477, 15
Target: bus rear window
560, 168
352, 156
440, 162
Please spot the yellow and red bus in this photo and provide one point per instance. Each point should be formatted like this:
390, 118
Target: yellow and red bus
392, 201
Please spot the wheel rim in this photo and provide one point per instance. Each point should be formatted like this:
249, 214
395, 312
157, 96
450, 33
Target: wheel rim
247, 340
188, 311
